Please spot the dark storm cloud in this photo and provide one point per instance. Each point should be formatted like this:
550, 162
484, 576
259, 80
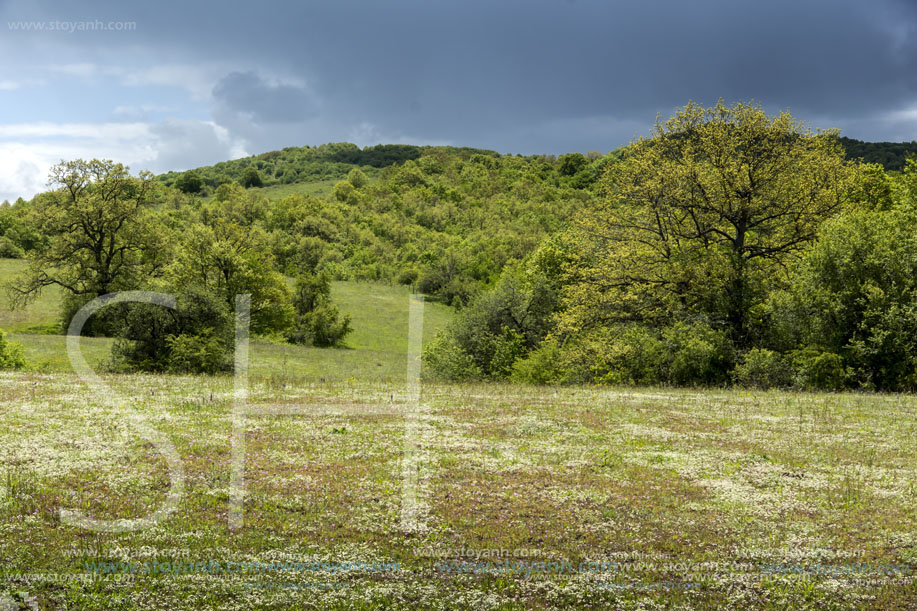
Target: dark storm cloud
249, 94
543, 75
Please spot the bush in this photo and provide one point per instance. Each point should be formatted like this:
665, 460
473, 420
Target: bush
318, 322
357, 178
189, 183
697, 354
443, 358
762, 368
504, 324
201, 353
541, 366
251, 178
817, 370
9, 250
11, 354
344, 191
635, 355
196, 337
856, 294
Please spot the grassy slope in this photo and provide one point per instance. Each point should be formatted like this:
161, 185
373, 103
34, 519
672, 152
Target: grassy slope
376, 350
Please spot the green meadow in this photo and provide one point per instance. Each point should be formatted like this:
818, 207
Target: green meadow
479, 496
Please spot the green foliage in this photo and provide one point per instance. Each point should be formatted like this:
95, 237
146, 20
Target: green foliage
763, 368
317, 321
446, 220
357, 178
204, 353
500, 326
683, 354
632, 355
302, 164
11, 354
251, 178
444, 358
190, 183
345, 192
229, 253
196, 337
891, 155
101, 234
540, 366
703, 218
856, 293
697, 354
9, 250
818, 370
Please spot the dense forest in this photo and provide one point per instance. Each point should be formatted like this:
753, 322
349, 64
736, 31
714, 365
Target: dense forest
890, 155
729, 247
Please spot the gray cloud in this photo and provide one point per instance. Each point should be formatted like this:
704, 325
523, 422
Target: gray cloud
524, 75
249, 94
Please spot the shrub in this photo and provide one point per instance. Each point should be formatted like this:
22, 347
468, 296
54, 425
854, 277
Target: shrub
11, 354
540, 366
444, 358
763, 368
357, 178
190, 183
344, 191
201, 353
634, 355
9, 250
318, 322
503, 325
251, 178
818, 370
697, 354
196, 337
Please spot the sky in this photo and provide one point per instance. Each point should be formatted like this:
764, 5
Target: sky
174, 85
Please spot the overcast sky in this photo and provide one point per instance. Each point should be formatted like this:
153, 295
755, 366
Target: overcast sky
173, 85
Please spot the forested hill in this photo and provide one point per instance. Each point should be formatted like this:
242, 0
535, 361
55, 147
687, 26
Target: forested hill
309, 163
891, 155
333, 161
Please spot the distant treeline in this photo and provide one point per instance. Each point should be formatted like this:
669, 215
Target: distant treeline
301, 164
890, 155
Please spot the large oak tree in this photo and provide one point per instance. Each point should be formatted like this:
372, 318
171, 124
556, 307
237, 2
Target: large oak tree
703, 217
101, 235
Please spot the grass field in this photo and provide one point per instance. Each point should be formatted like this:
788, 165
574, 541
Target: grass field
516, 497
376, 350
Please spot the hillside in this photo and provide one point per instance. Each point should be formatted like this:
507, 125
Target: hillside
891, 155
311, 163
444, 220
376, 350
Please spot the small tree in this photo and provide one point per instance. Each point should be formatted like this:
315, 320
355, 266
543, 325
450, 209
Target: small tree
318, 321
190, 183
251, 178
357, 178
